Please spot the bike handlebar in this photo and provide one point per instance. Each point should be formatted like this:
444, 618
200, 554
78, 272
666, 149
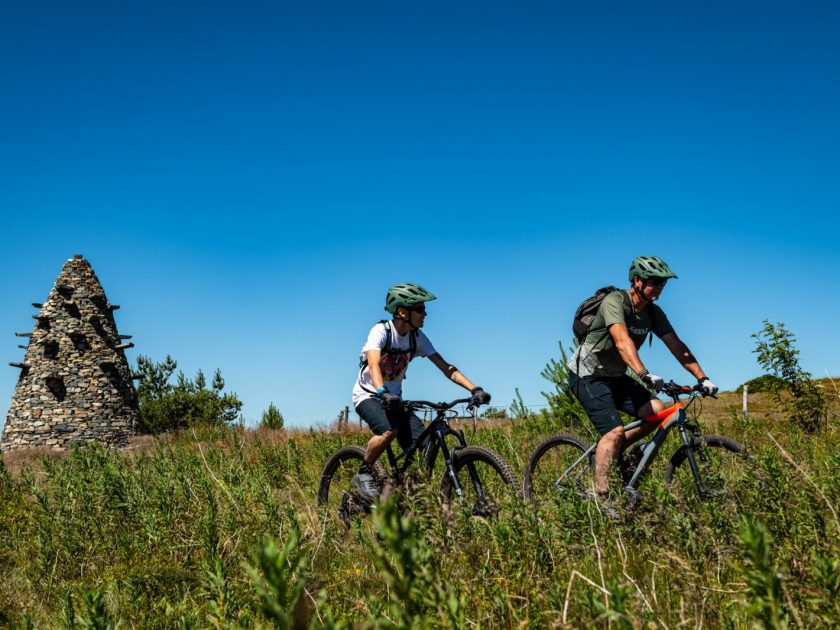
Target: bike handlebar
441, 406
675, 390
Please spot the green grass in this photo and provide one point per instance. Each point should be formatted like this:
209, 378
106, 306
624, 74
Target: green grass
221, 529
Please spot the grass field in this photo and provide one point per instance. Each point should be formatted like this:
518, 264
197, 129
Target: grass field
221, 529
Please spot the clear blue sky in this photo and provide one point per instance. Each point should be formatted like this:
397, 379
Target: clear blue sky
247, 179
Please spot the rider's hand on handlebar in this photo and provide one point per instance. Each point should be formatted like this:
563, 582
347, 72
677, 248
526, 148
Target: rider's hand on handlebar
709, 388
389, 401
652, 380
479, 397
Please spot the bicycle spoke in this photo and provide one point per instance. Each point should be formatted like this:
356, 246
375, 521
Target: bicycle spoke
558, 469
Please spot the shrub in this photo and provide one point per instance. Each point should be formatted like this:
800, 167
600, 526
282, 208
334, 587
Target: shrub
271, 418
763, 383
562, 402
778, 355
165, 407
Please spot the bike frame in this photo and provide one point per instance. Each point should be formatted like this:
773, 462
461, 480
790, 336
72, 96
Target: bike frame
436, 433
677, 419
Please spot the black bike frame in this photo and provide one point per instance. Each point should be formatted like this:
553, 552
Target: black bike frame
436, 434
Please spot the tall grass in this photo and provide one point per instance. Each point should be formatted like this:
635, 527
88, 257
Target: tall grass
221, 529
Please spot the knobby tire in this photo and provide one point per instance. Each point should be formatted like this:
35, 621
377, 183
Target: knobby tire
547, 463
501, 481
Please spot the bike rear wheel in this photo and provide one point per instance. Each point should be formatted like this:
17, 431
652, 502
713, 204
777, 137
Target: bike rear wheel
722, 463
336, 476
486, 479
555, 469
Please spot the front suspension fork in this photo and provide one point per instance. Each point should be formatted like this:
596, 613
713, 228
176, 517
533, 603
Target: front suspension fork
449, 457
688, 443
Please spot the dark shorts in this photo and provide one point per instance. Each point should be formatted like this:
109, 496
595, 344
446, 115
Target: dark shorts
603, 397
408, 426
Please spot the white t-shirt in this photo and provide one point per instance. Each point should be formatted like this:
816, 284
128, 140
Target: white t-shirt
392, 364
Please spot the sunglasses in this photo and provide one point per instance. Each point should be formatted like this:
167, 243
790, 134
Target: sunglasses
418, 309
657, 282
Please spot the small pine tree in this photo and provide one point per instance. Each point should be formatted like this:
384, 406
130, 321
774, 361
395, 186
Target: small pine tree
271, 418
562, 401
166, 407
518, 409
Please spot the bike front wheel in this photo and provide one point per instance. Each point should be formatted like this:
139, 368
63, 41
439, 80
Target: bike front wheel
722, 466
486, 480
559, 467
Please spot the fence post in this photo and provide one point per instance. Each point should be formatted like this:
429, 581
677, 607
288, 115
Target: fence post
346, 417
746, 406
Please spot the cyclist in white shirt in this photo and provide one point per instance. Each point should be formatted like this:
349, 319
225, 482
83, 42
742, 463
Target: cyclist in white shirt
389, 348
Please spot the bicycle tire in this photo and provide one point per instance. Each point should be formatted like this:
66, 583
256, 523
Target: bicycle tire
500, 484
547, 463
430, 456
716, 470
345, 460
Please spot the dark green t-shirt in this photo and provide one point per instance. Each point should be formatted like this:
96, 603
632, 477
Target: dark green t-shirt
597, 355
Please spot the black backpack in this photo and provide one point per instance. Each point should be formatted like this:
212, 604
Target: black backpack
585, 313
587, 310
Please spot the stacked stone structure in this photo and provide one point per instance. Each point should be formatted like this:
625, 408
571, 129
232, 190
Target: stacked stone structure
75, 383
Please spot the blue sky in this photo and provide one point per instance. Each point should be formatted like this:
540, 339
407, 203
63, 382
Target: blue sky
247, 179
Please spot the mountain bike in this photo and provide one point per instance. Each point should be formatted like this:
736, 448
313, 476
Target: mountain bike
475, 477
564, 464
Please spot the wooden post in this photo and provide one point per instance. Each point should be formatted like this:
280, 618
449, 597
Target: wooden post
346, 417
23, 334
37, 305
746, 407
124, 346
22, 366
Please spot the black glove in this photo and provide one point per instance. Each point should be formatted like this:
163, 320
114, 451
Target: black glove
479, 396
389, 401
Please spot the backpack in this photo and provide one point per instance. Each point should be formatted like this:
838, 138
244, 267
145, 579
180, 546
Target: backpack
585, 313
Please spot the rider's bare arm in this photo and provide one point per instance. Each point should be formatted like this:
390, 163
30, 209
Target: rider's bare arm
626, 347
683, 355
376, 379
451, 372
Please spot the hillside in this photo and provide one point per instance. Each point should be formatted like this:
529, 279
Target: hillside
163, 535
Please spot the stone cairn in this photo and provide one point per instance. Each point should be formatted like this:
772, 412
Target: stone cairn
75, 384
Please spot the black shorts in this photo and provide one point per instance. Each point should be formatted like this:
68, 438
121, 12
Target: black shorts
408, 426
603, 397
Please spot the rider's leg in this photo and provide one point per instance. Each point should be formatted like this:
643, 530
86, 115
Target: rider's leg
599, 397
377, 445
610, 445
374, 414
641, 403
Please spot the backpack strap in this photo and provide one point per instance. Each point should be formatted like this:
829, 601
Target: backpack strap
386, 349
387, 325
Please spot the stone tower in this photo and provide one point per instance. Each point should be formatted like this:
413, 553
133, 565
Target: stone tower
75, 383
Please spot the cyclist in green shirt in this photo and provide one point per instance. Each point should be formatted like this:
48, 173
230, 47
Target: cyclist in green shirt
598, 369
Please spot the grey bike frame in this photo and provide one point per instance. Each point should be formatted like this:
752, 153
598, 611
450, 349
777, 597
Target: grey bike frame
678, 418
655, 443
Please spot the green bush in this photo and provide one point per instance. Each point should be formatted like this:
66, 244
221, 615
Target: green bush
778, 355
165, 406
762, 384
271, 418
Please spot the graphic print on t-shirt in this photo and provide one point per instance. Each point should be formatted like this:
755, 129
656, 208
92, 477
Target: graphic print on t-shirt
392, 364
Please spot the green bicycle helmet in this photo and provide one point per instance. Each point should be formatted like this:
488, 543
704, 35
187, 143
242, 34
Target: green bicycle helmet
407, 294
650, 267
